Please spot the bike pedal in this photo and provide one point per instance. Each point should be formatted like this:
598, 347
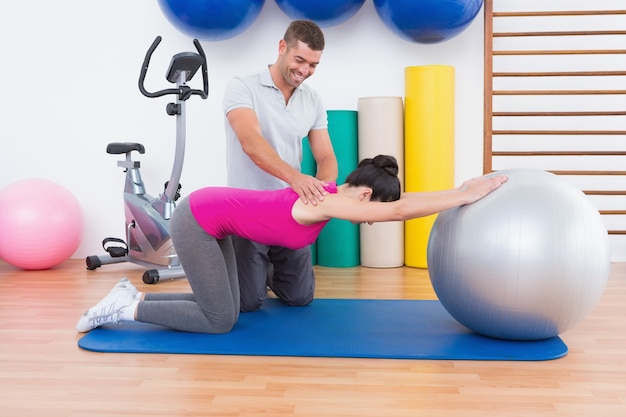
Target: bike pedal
115, 251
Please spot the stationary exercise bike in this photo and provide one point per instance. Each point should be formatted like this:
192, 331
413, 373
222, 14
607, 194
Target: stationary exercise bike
148, 242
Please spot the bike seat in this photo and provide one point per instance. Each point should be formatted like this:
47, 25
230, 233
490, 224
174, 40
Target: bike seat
117, 148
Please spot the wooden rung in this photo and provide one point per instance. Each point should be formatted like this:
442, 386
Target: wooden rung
559, 153
617, 232
613, 212
586, 173
561, 33
559, 13
559, 132
556, 92
560, 74
605, 192
557, 113
562, 52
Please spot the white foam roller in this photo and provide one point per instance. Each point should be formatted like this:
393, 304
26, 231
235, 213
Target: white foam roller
381, 131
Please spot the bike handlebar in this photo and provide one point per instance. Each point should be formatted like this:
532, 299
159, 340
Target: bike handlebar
183, 93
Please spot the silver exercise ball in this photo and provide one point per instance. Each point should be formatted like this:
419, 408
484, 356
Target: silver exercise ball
527, 262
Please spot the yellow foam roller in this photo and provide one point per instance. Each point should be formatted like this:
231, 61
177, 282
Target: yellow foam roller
428, 146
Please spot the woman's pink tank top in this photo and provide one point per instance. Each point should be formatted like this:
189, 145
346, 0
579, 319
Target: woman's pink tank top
262, 216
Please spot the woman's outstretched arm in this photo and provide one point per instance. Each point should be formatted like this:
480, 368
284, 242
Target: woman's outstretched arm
409, 206
420, 204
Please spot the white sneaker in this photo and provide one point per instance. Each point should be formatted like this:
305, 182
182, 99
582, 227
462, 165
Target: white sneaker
125, 283
108, 310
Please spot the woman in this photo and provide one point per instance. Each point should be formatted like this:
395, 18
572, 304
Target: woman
203, 223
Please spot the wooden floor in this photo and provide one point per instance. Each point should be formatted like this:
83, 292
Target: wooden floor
44, 373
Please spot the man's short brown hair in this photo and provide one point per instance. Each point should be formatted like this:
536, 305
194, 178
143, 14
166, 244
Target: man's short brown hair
305, 31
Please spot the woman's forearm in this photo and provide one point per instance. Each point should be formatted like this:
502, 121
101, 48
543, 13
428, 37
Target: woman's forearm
419, 204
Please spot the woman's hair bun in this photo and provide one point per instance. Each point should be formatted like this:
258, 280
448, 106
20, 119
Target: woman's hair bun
386, 162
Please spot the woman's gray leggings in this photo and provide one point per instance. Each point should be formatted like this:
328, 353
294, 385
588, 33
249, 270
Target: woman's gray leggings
211, 269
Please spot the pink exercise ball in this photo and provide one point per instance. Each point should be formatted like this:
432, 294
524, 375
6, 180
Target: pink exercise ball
41, 224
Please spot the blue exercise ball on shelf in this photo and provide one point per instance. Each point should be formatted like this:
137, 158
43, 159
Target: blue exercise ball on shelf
211, 20
427, 21
323, 12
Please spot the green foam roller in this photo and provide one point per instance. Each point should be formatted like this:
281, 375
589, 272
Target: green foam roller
338, 244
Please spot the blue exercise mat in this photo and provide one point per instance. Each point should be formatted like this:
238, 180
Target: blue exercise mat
401, 329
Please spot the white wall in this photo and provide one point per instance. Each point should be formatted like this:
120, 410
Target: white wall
69, 72
69, 86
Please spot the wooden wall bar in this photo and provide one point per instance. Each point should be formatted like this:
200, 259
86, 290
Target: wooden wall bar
555, 95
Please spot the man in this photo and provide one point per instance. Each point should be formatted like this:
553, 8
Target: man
267, 116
